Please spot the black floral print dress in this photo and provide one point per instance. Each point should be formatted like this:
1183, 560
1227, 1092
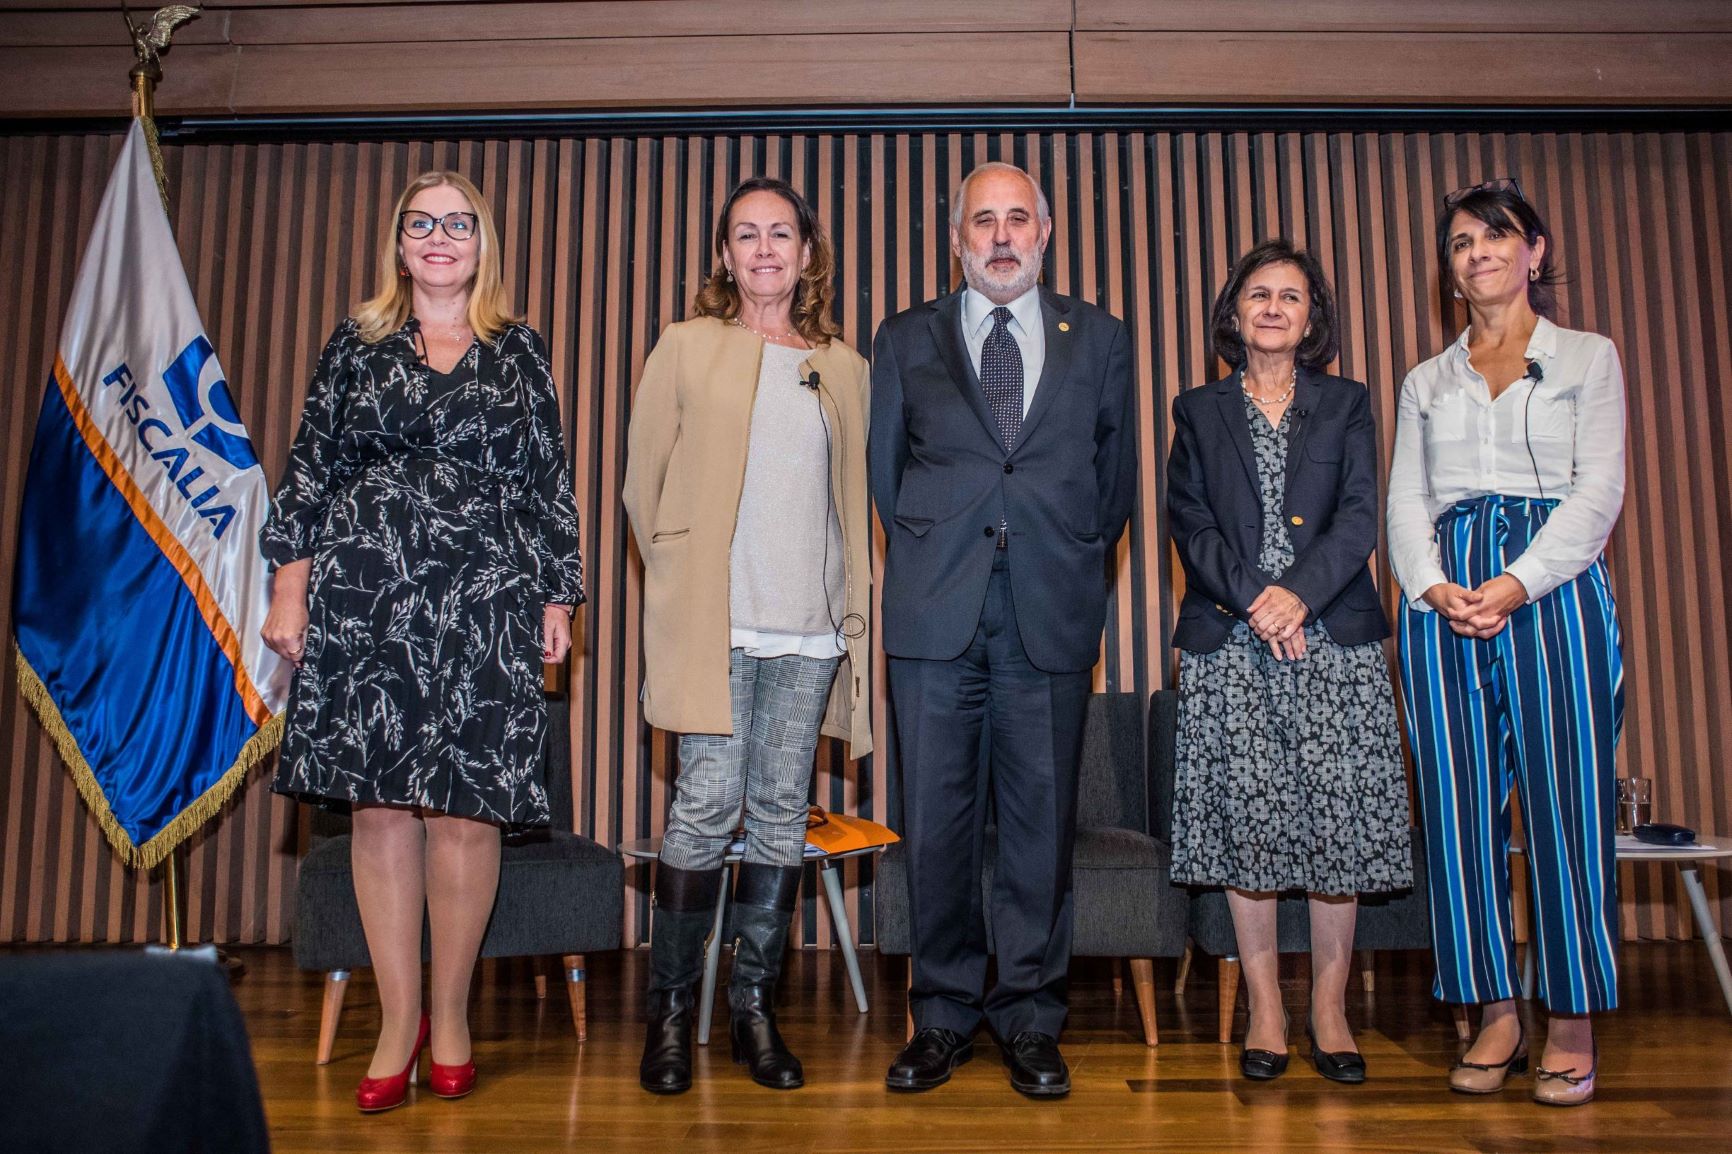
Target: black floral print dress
438, 511
1289, 773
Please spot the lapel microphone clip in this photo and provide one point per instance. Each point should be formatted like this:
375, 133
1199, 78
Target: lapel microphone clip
1535, 374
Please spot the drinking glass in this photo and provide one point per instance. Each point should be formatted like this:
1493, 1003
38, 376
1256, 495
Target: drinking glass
1635, 802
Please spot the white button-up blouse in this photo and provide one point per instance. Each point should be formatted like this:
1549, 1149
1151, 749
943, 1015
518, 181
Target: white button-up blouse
1454, 443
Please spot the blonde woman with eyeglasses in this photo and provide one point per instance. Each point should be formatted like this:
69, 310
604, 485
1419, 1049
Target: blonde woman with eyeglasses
424, 543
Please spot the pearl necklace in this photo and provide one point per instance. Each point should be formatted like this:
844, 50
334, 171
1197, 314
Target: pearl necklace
773, 338
1245, 383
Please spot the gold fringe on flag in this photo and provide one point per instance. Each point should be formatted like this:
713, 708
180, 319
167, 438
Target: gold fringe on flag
186, 822
153, 145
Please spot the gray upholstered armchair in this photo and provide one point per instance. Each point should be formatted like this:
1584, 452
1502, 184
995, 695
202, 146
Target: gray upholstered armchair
559, 893
1126, 906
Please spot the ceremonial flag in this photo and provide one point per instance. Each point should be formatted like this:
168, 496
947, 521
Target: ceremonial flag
140, 588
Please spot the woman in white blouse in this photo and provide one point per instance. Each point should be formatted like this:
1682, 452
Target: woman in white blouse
1507, 479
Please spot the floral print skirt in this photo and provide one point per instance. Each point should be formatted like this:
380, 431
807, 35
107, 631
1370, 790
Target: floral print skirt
1289, 773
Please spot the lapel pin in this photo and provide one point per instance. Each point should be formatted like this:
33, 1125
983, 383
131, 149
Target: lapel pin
1063, 327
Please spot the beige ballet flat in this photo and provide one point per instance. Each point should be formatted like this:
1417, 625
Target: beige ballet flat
1489, 1077
1565, 1087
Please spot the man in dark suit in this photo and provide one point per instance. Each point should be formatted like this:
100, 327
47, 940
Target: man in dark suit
1003, 464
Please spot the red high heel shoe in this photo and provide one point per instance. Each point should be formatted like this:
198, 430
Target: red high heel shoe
452, 1081
377, 1094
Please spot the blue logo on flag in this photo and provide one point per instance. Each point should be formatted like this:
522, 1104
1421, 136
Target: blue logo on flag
199, 410
182, 381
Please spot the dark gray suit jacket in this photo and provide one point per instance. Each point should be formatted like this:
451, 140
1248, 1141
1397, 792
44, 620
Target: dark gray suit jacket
1215, 509
942, 481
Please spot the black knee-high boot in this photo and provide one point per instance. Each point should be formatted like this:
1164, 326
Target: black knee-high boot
685, 908
763, 905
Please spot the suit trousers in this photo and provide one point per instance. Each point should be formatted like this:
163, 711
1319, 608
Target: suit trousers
988, 720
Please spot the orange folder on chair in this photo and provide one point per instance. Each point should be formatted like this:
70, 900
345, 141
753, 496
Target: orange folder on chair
836, 833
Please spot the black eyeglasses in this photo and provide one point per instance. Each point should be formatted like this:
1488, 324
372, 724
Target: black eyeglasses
1501, 184
457, 225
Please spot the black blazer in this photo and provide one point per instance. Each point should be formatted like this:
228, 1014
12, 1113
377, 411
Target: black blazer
1216, 510
942, 481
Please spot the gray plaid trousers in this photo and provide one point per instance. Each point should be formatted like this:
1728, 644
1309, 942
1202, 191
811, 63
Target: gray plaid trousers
778, 705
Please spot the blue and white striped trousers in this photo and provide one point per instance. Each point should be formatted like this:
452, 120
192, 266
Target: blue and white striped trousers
1541, 703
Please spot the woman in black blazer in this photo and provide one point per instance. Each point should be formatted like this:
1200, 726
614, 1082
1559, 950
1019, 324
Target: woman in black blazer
1289, 760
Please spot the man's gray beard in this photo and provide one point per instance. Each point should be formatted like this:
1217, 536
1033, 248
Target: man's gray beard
975, 273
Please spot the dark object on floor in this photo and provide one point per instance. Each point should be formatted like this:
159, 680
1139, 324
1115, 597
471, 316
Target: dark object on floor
122, 1051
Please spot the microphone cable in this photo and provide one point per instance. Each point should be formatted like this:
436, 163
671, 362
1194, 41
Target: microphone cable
1535, 374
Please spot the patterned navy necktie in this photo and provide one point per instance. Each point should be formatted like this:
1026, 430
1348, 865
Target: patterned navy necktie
1001, 377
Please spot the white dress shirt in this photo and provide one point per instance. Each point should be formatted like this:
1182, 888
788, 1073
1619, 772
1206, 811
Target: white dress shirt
1026, 326
1454, 443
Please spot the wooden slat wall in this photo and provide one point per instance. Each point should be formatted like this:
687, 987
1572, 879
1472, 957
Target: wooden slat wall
64, 57
605, 240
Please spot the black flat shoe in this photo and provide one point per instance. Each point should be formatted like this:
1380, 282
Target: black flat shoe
928, 1059
1264, 1065
1037, 1069
1345, 1066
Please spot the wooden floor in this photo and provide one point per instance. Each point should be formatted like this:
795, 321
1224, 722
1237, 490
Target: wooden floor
1665, 1081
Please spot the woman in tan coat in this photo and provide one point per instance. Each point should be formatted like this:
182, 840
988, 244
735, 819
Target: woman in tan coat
746, 488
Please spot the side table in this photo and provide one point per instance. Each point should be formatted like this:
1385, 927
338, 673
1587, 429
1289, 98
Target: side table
1688, 859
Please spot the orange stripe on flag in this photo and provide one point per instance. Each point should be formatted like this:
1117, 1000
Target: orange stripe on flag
165, 540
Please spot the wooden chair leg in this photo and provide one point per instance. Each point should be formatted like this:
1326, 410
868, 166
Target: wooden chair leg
1228, 995
1184, 969
1368, 970
575, 990
1463, 1027
909, 1000
539, 965
1118, 978
336, 985
1143, 980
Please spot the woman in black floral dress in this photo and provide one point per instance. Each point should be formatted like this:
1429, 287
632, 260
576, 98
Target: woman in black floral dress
1289, 760
425, 547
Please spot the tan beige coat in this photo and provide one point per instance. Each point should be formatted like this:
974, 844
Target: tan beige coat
686, 465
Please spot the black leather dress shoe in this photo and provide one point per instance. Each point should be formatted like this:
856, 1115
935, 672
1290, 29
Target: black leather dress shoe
1036, 1067
928, 1058
1339, 1066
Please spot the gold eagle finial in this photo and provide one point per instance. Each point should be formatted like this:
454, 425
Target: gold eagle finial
151, 39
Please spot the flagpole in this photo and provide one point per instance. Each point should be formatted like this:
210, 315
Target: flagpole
144, 91
171, 920
145, 74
